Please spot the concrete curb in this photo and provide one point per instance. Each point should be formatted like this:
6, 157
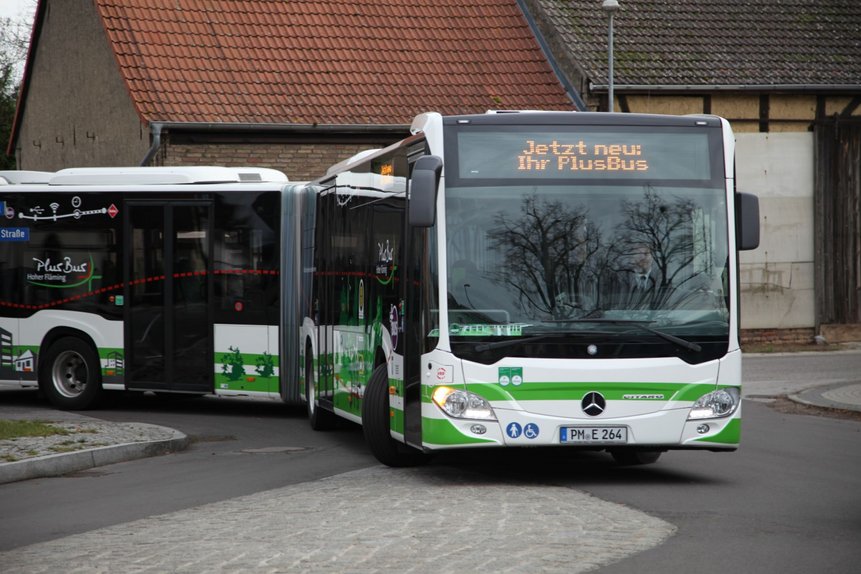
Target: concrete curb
60, 464
824, 396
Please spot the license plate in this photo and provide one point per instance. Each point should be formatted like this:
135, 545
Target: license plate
593, 435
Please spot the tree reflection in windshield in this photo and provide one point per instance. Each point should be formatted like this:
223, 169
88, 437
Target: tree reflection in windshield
548, 257
659, 244
547, 252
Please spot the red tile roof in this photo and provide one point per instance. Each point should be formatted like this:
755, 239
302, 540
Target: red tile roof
326, 61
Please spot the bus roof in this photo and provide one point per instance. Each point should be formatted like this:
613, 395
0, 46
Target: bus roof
148, 176
19, 177
547, 118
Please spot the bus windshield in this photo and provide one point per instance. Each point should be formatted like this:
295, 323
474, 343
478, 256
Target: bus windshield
546, 256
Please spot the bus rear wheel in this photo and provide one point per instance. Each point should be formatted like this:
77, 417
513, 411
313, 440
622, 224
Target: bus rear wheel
375, 425
71, 374
634, 457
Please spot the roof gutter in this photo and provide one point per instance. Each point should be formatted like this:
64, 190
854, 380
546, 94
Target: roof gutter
797, 88
157, 128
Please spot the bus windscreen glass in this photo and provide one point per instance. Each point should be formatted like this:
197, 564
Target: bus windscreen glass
586, 231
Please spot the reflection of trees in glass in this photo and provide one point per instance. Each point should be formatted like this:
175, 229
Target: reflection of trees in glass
561, 264
657, 238
665, 227
547, 253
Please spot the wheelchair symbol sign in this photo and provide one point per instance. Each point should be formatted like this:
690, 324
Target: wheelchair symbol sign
531, 430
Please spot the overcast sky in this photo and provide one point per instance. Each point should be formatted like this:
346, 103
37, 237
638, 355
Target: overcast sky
17, 8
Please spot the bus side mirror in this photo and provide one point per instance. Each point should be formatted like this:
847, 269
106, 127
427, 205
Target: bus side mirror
423, 190
747, 221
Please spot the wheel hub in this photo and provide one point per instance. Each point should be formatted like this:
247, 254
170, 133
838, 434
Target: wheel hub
69, 374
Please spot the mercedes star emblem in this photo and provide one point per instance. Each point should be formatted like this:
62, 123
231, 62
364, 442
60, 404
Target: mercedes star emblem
593, 404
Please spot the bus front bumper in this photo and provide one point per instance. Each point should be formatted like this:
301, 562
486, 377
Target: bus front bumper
664, 429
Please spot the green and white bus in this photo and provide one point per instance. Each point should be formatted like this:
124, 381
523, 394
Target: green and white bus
507, 279
530, 279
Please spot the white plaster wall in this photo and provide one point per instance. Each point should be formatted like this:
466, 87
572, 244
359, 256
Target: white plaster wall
777, 278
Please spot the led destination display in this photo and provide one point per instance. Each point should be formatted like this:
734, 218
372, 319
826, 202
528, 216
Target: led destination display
581, 157
665, 156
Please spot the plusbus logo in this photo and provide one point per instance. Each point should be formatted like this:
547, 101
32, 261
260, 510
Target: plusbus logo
63, 274
385, 268
65, 266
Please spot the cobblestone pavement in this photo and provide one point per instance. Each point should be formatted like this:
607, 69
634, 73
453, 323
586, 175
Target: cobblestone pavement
432, 520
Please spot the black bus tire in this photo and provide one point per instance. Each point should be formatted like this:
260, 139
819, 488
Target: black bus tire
320, 419
375, 425
71, 374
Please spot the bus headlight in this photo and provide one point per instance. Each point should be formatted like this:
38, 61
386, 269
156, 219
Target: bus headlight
716, 404
462, 404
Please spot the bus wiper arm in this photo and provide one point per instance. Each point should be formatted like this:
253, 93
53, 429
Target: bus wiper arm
684, 344
640, 325
481, 347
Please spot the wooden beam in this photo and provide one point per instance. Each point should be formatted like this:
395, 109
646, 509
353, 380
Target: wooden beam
763, 113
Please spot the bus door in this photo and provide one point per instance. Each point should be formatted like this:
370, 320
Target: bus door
417, 280
412, 260
168, 270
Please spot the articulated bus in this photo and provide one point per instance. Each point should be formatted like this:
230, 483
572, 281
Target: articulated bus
505, 279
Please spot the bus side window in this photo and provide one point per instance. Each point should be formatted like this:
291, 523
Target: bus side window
245, 260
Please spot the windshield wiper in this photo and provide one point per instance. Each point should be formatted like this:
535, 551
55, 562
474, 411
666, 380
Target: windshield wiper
482, 347
640, 325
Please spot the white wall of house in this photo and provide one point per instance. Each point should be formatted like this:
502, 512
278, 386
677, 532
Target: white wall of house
777, 278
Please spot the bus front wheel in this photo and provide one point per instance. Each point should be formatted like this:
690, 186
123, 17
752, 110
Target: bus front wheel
375, 425
71, 374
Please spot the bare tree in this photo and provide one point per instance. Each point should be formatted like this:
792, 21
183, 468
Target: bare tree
14, 40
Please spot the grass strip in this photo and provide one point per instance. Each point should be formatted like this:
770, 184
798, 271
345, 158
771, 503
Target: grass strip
10, 429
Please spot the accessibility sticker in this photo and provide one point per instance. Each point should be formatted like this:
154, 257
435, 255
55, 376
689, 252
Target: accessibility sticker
531, 431
514, 430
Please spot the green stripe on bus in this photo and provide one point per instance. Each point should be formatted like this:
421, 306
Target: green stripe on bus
253, 383
576, 391
441, 431
396, 420
110, 352
731, 434
223, 357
